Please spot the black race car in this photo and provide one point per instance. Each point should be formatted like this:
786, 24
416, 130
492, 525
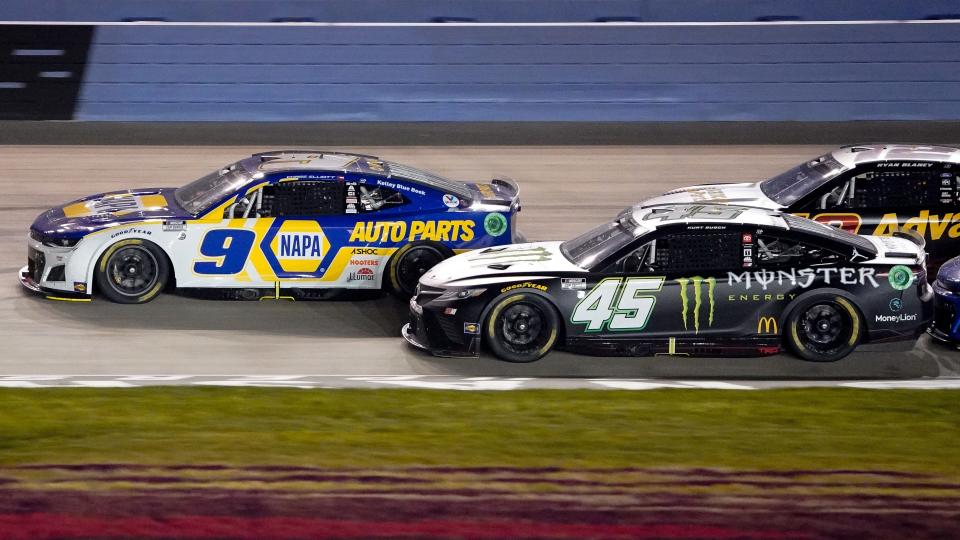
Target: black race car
706, 280
875, 189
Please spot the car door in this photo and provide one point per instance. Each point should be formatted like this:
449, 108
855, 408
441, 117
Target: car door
673, 284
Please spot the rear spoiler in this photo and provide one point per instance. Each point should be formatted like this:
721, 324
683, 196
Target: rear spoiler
912, 236
500, 191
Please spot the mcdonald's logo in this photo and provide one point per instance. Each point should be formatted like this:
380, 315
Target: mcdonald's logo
767, 325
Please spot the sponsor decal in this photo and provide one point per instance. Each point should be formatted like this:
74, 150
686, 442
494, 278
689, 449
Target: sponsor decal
896, 304
131, 231
399, 231
495, 224
708, 194
898, 318
698, 284
299, 246
756, 297
114, 204
805, 277
900, 277
471, 328
174, 225
747, 241
79, 286
573, 284
524, 285
767, 325
364, 251
400, 186
363, 274
365, 262
451, 201
694, 211
507, 255
486, 190
929, 225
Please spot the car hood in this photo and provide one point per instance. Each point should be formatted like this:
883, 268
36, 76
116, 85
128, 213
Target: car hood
104, 210
502, 263
745, 194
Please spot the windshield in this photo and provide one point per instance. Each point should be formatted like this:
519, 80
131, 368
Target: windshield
599, 243
208, 190
788, 187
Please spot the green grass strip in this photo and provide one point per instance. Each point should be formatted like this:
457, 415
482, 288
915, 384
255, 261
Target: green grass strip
773, 429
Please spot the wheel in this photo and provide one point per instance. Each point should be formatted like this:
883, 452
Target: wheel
521, 327
824, 328
411, 262
132, 272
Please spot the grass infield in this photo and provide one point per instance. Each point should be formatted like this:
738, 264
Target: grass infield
898, 430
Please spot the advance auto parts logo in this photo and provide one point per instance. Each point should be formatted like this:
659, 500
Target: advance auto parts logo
698, 286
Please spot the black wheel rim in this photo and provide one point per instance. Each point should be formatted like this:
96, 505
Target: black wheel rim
414, 264
132, 271
824, 328
522, 328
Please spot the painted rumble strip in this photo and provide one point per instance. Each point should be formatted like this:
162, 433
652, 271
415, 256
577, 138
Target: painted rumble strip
442, 382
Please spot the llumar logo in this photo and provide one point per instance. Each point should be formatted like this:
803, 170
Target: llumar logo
698, 283
767, 325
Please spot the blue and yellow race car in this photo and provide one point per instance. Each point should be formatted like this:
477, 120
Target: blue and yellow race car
285, 222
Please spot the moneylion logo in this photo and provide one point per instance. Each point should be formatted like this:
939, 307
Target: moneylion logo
767, 325
697, 283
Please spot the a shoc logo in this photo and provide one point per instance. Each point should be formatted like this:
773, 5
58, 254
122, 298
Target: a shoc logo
300, 246
363, 274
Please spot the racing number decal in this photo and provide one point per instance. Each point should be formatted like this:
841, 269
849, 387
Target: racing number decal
230, 247
619, 308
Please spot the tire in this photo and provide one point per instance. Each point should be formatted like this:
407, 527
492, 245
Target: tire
411, 262
521, 327
824, 328
132, 271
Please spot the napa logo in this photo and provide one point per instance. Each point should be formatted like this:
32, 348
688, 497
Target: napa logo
300, 246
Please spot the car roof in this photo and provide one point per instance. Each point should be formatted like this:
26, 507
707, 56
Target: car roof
333, 161
856, 154
659, 215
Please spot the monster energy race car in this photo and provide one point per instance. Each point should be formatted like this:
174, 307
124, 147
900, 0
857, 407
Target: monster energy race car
701, 279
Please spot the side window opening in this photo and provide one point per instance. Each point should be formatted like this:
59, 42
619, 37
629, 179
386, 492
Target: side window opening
298, 198
686, 252
884, 188
776, 252
374, 198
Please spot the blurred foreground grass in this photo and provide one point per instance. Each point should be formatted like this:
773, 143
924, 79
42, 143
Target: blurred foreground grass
771, 429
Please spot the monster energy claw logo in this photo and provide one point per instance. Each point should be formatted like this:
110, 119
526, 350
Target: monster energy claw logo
507, 255
697, 281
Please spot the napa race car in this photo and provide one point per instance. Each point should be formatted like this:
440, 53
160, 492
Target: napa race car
874, 189
707, 280
294, 221
946, 304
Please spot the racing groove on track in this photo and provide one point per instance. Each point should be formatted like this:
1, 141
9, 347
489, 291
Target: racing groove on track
565, 190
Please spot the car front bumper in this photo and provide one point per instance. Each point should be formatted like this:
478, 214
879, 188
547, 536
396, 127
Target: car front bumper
427, 331
946, 315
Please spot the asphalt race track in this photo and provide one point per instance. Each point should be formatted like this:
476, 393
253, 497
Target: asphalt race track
565, 190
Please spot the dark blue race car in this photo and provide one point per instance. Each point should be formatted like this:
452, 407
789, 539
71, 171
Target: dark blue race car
946, 322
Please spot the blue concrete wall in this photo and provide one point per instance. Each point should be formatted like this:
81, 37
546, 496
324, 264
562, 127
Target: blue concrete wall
478, 10
832, 72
